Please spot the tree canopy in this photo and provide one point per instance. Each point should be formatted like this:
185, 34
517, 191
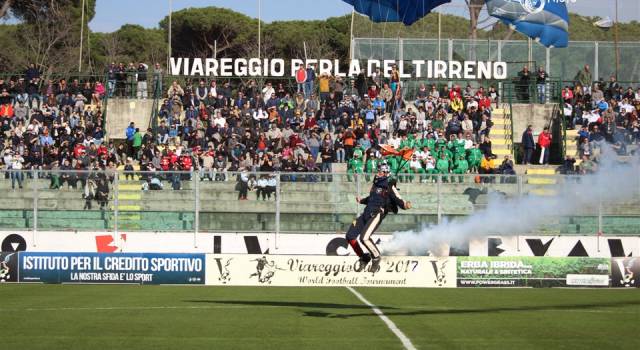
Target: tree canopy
48, 33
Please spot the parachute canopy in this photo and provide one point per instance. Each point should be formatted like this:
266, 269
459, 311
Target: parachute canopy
546, 21
405, 11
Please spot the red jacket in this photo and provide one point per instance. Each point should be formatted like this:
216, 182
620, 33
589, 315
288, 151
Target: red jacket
77, 150
186, 162
165, 162
544, 139
310, 123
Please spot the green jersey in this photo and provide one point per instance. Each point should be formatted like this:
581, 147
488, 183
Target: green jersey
474, 156
357, 152
393, 163
462, 165
372, 165
442, 165
355, 164
408, 143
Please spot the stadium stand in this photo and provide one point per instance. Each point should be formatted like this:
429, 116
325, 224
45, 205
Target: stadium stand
225, 134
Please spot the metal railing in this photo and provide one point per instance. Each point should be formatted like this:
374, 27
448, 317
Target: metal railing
210, 201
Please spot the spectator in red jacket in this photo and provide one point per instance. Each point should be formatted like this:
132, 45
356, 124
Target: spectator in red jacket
544, 140
186, 162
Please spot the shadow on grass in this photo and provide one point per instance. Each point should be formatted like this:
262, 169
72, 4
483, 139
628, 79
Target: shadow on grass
391, 311
296, 304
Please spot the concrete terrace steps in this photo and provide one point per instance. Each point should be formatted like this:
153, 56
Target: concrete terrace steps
501, 137
544, 178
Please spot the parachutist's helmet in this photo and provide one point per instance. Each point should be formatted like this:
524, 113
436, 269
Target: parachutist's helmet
384, 169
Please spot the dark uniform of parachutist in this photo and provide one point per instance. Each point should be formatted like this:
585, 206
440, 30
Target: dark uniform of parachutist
383, 199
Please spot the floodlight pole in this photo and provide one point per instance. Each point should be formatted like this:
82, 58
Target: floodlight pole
351, 43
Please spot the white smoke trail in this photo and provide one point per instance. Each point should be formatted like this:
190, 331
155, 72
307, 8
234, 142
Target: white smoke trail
612, 182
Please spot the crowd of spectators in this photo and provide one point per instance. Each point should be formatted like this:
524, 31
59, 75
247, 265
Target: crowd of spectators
216, 127
602, 112
50, 124
213, 128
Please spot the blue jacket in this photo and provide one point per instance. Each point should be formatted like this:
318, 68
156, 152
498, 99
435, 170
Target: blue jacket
130, 132
527, 141
311, 75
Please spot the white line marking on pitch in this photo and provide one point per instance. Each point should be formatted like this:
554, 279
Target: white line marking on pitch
392, 326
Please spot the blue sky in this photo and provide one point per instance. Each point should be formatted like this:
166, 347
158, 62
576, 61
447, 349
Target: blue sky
111, 14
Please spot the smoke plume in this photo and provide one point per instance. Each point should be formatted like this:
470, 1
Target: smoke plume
613, 182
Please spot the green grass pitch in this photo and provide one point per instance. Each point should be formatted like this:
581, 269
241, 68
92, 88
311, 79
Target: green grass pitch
162, 317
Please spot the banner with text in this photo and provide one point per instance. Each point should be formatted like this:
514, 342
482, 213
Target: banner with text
532, 272
325, 271
111, 268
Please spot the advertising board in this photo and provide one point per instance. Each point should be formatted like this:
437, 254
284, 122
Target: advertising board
532, 272
9, 267
625, 272
111, 268
325, 271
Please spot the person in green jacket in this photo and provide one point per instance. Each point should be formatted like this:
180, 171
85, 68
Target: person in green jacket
407, 142
372, 166
442, 166
430, 142
393, 163
137, 144
444, 150
355, 164
404, 170
461, 166
441, 143
474, 157
458, 146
